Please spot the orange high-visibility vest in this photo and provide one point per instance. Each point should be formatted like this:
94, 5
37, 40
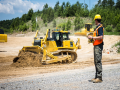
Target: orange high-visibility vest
97, 42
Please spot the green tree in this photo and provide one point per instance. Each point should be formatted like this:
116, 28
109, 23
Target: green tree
117, 4
11, 30
77, 23
50, 14
33, 26
12, 25
59, 26
63, 26
30, 13
54, 23
118, 27
56, 6
116, 20
68, 25
77, 9
47, 14
99, 3
44, 17
111, 3
67, 9
56, 9
62, 9
23, 18
45, 9
23, 27
108, 28
104, 3
33, 18
15, 23
38, 13
45, 24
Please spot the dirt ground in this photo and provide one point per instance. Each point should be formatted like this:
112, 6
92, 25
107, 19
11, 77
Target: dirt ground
10, 49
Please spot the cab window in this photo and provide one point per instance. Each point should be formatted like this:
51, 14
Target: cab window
65, 36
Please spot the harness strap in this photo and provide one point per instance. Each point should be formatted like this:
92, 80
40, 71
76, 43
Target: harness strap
97, 29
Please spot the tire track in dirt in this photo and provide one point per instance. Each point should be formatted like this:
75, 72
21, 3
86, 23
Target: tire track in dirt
6, 71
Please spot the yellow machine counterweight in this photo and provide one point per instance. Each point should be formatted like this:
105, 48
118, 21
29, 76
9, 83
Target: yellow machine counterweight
3, 37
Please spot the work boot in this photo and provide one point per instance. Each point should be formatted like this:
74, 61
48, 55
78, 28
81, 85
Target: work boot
97, 80
91, 80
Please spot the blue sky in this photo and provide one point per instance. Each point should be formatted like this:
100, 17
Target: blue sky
16, 8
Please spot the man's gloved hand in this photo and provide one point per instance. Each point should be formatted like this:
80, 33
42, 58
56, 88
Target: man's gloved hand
90, 37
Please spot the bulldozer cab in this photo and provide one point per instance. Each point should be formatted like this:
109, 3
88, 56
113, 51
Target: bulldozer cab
59, 37
88, 26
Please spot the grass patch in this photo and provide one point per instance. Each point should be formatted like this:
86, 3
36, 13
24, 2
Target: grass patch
118, 44
111, 33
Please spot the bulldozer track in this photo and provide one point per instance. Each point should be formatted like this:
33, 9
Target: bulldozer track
58, 53
64, 51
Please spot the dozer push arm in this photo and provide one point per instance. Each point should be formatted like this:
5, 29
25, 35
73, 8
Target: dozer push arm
45, 39
78, 46
36, 33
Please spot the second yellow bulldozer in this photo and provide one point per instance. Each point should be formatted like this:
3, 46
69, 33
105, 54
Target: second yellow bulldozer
58, 48
84, 32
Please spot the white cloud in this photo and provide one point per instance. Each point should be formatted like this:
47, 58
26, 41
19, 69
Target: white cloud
7, 8
22, 6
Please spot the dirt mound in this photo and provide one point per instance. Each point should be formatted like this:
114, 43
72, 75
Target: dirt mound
27, 59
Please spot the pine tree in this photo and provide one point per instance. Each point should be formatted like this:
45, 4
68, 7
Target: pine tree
99, 3
117, 4
24, 17
56, 9
30, 13
67, 9
50, 14
62, 13
77, 23
104, 3
111, 3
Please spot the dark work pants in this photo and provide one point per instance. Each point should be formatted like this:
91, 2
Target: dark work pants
97, 60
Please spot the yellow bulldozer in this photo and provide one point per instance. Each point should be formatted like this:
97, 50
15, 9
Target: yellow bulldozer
3, 37
84, 32
58, 48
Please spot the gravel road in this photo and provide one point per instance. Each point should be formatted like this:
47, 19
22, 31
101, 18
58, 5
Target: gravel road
77, 79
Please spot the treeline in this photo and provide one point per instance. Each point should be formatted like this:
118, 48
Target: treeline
65, 10
108, 9
20, 23
110, 13
5, 25
48, 14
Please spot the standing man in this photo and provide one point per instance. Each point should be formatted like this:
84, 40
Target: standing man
98, 47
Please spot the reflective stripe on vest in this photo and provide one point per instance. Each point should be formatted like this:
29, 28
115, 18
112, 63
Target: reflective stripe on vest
97, 42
